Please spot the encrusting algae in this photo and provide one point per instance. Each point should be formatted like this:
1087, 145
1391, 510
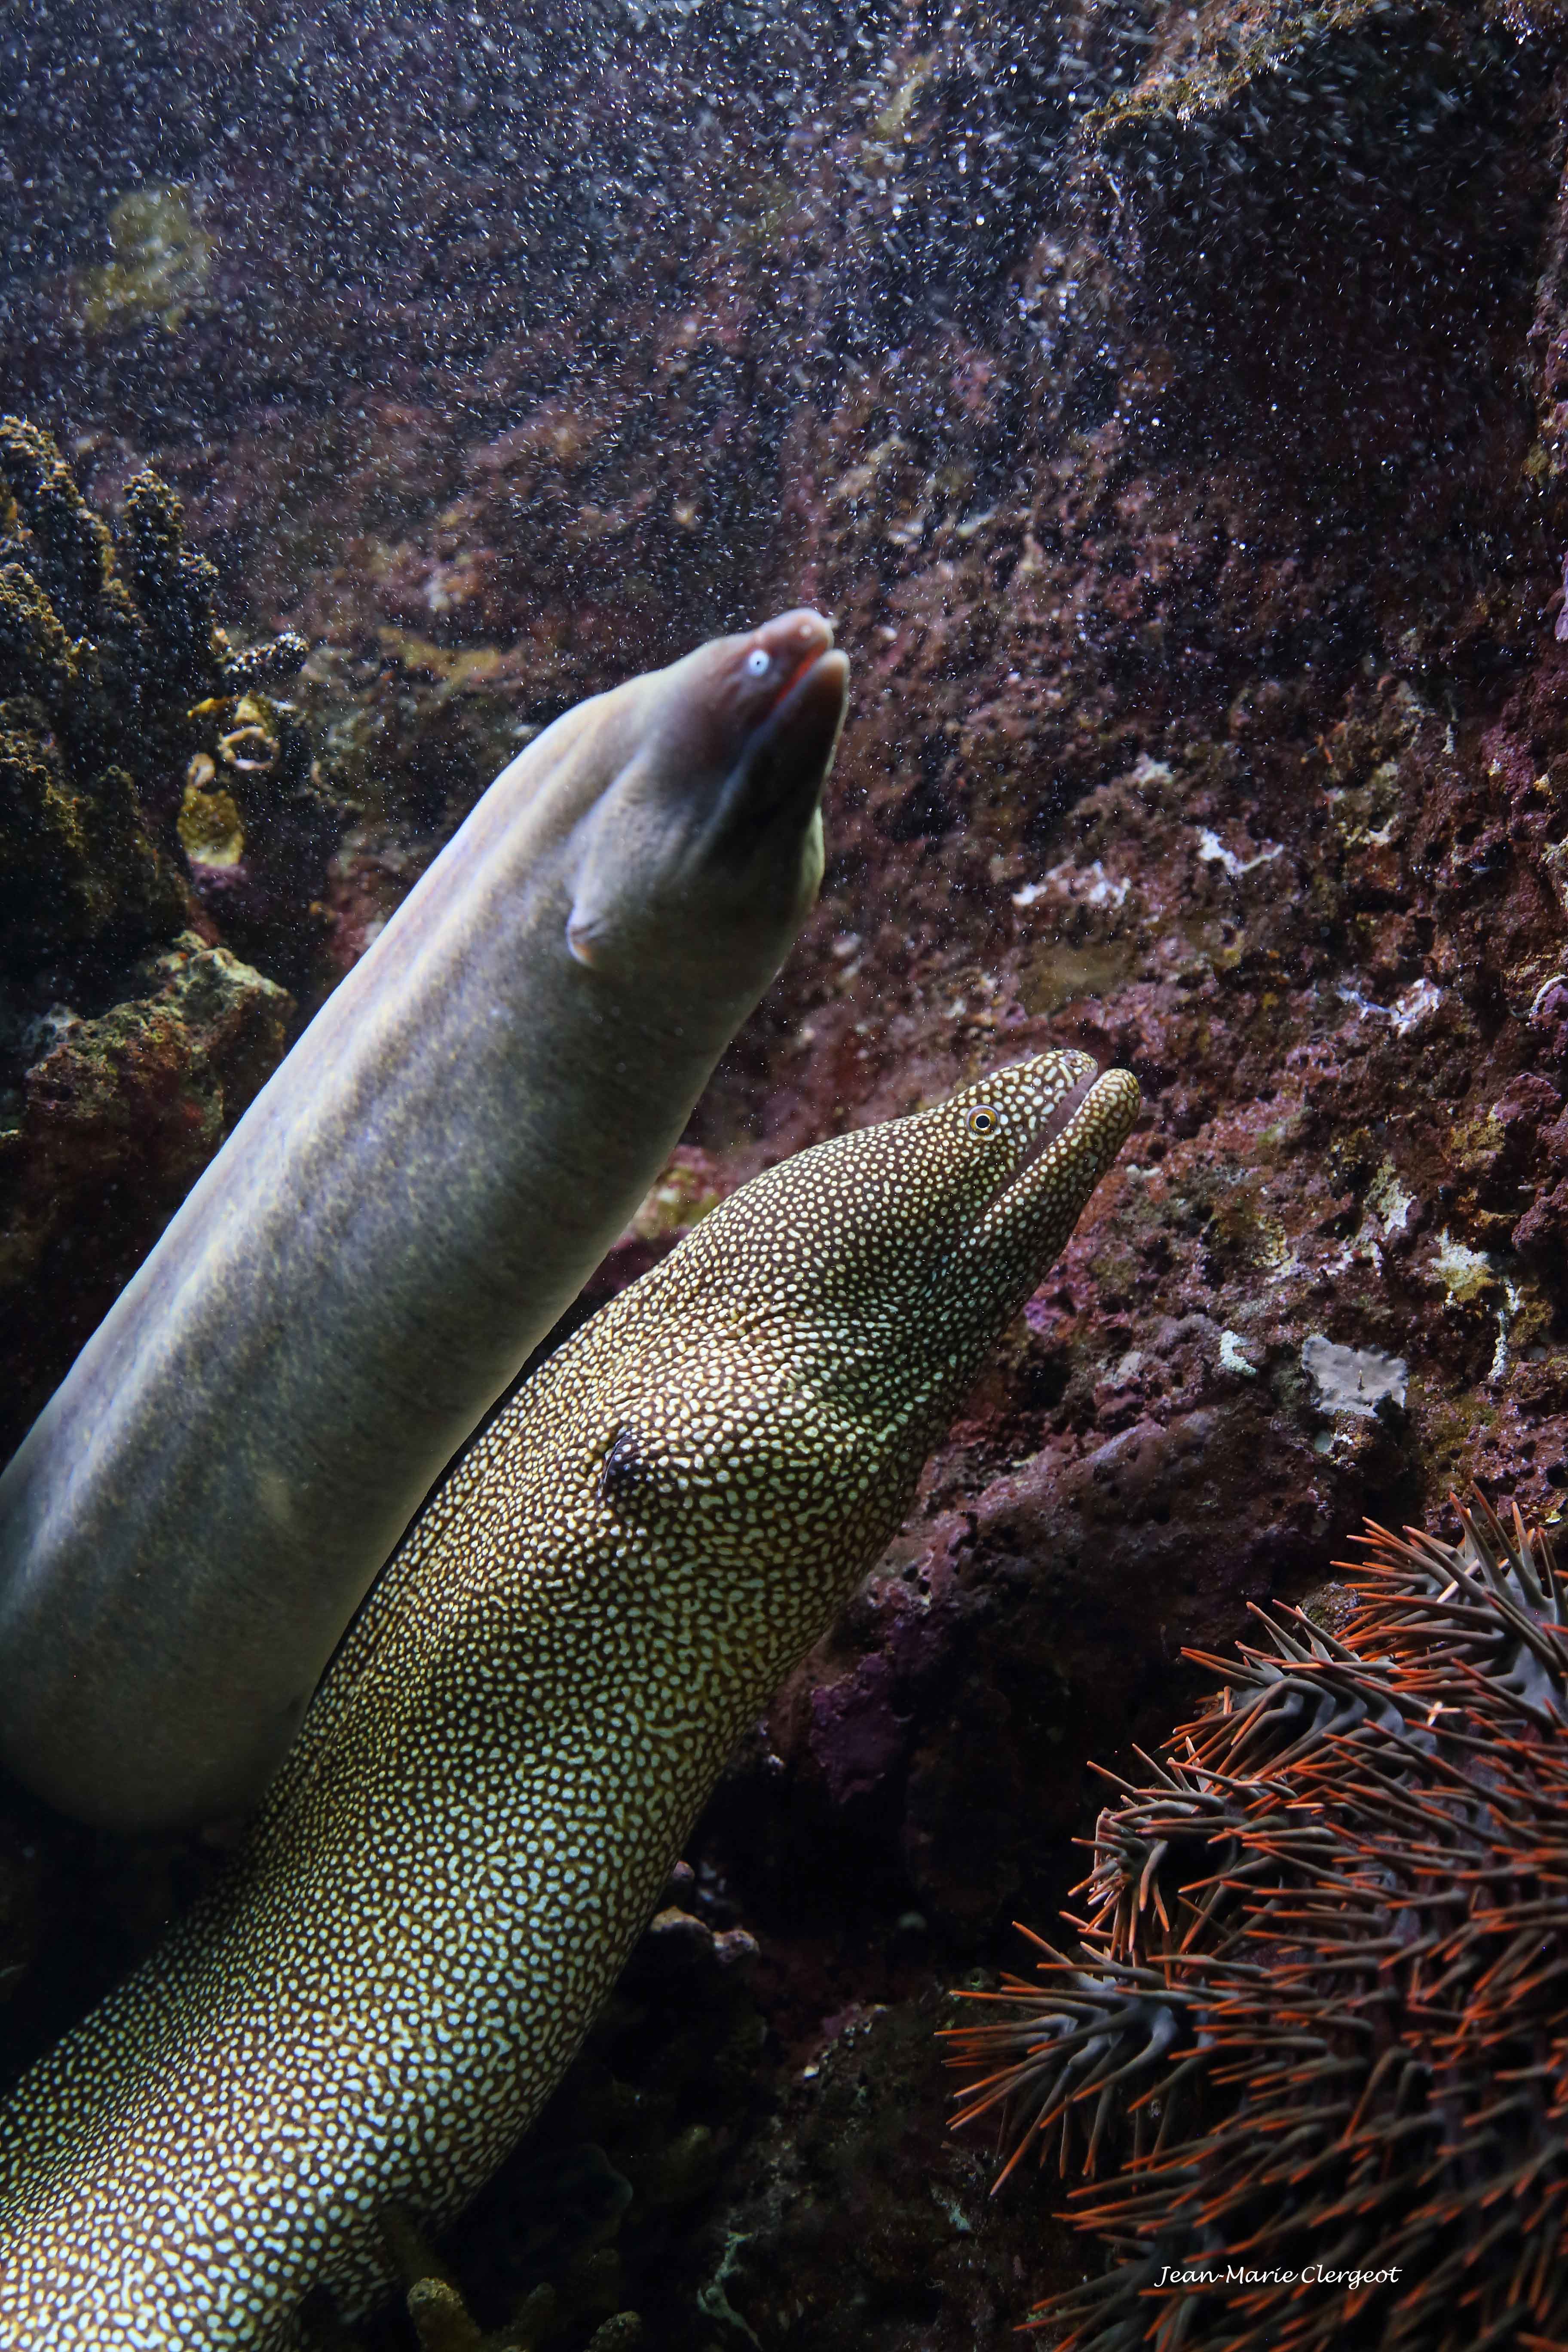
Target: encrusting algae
113, 678
487, 1797
162, 258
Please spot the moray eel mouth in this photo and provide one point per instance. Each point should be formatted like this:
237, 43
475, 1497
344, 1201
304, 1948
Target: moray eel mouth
790, 740
1074, 1140
713, 825
1056, 1122
781, 678
811, 705
804, 723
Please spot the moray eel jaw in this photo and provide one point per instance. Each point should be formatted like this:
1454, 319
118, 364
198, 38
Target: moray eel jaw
1055, 1124
972, 1197
718, 808
898, 1255
772, 776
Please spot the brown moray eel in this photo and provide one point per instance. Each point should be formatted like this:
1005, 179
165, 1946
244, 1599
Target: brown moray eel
514, 1740
400, 1217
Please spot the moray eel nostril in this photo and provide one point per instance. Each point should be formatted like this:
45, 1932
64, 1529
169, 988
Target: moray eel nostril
519, 1730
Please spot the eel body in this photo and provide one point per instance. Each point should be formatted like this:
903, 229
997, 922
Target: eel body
517, 1734
400, 1217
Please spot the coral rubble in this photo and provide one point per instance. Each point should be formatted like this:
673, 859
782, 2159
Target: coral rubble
159, 265
78, 862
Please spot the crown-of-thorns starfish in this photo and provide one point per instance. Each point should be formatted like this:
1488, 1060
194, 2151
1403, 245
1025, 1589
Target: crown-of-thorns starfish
1318, 2017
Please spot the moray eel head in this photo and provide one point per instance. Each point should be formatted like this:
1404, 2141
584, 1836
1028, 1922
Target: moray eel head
712, 829
949, 1219
814, 1336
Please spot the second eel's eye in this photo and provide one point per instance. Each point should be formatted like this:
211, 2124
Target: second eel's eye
983, 1120
624, 1473
639, 1478
757, 663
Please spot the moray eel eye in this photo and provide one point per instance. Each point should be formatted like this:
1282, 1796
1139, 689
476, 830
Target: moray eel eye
622, 1474
983, 1120
757, 663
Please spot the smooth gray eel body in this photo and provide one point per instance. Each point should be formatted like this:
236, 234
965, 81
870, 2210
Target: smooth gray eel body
514, 1740
400, 1217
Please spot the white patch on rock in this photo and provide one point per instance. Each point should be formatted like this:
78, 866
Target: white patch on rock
1511, 1297
1472, 1278
43, 1033
1415, 1006
1466, 1275
1087, 885
1213, 852
1352, 1379
1388, 1199
1231, 1358
1407, 1012
1554, 858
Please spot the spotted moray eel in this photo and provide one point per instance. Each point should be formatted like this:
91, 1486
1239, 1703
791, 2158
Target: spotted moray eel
516, 1736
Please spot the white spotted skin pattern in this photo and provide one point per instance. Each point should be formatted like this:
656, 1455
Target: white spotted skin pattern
519, 1730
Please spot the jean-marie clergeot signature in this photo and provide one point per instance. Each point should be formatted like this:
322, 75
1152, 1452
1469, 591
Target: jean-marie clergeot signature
1311, 2275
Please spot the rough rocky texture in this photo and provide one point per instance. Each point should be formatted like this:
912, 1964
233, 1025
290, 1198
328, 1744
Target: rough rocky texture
122, 703
115, 1118
146, 780
1172, 410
